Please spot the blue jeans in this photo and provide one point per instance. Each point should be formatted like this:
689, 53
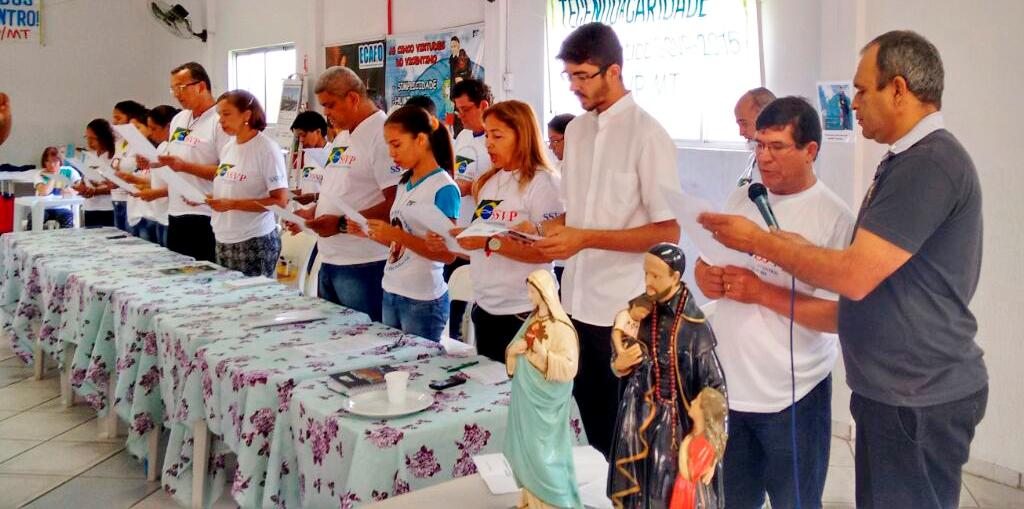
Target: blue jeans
424, 318
354, 286
759, 453
121, 216
151, 231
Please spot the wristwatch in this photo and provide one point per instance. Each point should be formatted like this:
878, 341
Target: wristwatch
342, 224
493, 246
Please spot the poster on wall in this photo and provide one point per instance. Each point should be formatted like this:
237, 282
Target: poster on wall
834, 103
685, 61
366, 59
430, 63
20, 21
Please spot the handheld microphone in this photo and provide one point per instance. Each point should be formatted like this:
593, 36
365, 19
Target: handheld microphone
759, 195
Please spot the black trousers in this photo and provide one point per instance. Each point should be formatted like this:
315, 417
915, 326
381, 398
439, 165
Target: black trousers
457, 307
913, 456
191, 235
95, 218
495, 332
596, 388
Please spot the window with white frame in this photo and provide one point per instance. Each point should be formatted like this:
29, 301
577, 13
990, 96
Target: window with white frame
262, 71
685, 61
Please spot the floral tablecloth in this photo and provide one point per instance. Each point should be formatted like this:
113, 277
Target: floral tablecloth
342, 460
238, 379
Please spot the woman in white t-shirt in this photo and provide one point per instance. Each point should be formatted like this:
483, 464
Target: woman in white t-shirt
125, 207
54, 179
415, 293
310, 128
153, 201
97, 208
519, 188
251, 175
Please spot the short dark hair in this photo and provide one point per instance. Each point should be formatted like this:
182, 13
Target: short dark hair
196, 71
163, 114
133, 110
906, 53
423, 102
245, 101
456, 39
104, 134
475, 90
795, 112
559, 123
594, 43
310, 121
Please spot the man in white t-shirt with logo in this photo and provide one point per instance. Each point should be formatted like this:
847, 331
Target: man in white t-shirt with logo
360, 174
751, 323
193, 150
618, 162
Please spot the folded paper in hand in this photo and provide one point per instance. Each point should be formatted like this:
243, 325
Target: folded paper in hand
432, 219
289, 216
175, 181
686, 208
136, 141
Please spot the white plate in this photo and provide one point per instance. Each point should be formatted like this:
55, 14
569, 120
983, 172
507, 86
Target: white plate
376, 404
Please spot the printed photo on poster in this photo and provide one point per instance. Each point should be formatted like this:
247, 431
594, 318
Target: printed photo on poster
431, 63
366, 59
834, 102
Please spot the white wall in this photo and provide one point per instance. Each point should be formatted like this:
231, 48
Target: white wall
96, 53
806, 41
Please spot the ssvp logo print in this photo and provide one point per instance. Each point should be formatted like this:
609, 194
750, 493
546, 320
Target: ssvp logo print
222, 170
180, 134
486, 209
335, 156
462, 164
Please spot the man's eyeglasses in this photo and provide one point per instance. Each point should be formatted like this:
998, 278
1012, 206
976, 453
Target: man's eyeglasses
177, 89
773, 148
579, 77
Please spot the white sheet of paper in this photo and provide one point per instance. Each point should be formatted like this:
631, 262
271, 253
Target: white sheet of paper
482, 229
180, 185
289, 216
350, 213
686, 208
86, 167
317, 155
345, 346
249, 282
496, 473
111, 175
136, 141
457, 348
295, 316
487, 373
432, 219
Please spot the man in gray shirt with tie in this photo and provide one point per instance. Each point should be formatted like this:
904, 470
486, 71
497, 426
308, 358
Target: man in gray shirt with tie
919, 382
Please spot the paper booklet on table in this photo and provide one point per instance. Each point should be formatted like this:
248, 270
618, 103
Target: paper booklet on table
431, 218
317, 155
487, 373
359, 381
348, 345
136, 141
686, 208
591, 475
249, 282
288, 317
174, 180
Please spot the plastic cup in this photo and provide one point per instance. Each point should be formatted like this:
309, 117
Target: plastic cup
397, 382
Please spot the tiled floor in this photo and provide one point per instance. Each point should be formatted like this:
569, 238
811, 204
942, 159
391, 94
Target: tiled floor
52, 457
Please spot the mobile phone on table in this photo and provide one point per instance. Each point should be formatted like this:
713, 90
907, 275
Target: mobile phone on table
452, 381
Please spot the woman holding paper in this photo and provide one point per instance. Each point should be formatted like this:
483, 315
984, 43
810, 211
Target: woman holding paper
93, 187
415, 293
521, 186
152, 196
134, 114
310, 128
251, 175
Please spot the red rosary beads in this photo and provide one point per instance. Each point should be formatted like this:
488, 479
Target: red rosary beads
673, 361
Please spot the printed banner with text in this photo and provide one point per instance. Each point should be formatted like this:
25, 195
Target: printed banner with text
431, 63
366, 59
20, 21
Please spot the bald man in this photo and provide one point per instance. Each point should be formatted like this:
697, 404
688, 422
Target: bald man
748, 107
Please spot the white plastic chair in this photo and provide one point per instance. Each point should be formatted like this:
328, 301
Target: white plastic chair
460, 287
296, 249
